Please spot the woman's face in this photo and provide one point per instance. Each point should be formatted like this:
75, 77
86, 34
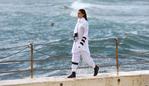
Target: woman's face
80, 15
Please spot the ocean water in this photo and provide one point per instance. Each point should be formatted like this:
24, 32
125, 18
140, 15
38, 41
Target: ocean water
49, 24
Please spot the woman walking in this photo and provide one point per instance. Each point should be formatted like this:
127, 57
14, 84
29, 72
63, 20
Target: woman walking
80, 46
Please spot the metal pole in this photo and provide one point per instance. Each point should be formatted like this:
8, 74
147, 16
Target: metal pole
31, 60
116, 55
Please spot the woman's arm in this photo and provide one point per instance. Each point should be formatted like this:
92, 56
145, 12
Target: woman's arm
85, 33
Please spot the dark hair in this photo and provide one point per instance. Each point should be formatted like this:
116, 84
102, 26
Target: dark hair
83, 12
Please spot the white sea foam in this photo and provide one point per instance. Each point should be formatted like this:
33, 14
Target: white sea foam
113, 10
78, 5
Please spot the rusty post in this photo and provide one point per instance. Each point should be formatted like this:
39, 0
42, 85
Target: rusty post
116, 55
31, 60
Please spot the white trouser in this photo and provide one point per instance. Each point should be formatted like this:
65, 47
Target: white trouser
86, 58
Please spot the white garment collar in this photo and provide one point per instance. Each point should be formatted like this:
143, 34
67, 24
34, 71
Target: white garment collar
80, 20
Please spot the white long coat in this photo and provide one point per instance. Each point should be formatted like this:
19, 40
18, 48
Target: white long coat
81, 44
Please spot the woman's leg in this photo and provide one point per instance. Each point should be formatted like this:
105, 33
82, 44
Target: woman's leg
75, 61
89, 60
74, 66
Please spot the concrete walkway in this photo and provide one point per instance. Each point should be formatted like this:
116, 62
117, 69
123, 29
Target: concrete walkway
132, 78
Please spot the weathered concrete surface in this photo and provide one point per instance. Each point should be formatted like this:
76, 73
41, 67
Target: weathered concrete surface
134, 78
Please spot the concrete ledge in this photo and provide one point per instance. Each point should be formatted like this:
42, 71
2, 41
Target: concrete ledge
133, 78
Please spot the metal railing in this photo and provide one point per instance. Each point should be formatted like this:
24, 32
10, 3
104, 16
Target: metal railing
31, 60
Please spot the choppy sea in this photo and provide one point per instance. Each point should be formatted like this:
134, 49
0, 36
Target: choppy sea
49, 25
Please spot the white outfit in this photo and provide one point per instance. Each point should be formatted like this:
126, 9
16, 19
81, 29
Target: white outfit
82, 29
80, 46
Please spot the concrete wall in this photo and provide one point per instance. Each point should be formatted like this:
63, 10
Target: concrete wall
135, 78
